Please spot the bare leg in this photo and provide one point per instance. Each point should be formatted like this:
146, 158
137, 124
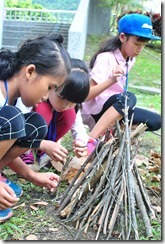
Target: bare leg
5, 146
106, 121
12, 154
22, 169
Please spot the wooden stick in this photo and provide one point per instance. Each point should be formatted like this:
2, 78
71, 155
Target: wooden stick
143, 211
87, 204
109, 188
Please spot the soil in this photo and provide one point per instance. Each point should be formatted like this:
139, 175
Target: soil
44, 224
50, 227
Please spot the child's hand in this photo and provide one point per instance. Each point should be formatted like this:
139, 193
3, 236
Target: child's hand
48, 180
80, 148
117, 72
7, 196
54, 150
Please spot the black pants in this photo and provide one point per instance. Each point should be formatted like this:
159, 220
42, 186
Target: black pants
152, 120
29, 129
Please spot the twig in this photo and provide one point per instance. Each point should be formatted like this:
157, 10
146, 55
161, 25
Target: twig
143, 211
108, 186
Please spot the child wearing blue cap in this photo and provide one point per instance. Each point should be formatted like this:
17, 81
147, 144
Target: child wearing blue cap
109, 69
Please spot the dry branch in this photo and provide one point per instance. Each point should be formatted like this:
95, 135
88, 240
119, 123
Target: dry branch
110, 194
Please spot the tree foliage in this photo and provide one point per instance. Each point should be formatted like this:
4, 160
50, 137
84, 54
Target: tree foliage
39, 4
27, 14
22, 4
59, 4
118, 7
112, 3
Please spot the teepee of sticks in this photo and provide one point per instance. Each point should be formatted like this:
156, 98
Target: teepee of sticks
107, 192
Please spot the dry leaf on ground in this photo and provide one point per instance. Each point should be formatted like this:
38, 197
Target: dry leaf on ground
33, 206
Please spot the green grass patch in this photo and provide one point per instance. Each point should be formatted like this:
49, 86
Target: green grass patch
25, 221
145, 72
148, 101
147, 69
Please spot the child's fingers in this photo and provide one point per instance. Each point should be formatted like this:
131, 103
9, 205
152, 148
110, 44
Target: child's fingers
80, 151
10, 191
7, 203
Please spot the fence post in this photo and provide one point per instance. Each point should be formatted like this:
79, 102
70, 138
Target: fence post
78, 31
1, 20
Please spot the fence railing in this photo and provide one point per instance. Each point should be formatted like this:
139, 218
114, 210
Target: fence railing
78, 21
40, 15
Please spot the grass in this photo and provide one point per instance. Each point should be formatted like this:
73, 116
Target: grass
25, 221
145, 72
149, 101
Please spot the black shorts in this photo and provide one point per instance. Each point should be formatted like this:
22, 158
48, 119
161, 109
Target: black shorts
118, 102
151, 119
29, 129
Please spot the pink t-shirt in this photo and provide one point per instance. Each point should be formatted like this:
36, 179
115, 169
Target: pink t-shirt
102, 70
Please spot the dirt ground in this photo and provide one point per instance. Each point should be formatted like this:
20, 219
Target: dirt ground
50, 227
40, 222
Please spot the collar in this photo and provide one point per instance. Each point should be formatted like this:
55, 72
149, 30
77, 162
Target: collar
119, 57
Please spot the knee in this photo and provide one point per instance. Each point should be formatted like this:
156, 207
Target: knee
12, 122
155, 123
131, 102
125, 99
35, 125
36, 130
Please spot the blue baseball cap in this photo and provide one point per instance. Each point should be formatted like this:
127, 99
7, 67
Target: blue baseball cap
137, 25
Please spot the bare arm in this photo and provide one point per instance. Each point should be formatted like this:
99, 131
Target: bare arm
21, 168
48, 179
97, 89
54, 150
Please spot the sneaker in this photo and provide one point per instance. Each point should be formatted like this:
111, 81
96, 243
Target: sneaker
91, 145
44, 160
28, 157
17, 189
5, 214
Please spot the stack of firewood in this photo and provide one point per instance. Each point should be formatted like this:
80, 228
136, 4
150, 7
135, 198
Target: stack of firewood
107, 192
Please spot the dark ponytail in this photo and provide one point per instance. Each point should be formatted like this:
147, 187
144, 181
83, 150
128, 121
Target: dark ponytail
8, 63
45, 52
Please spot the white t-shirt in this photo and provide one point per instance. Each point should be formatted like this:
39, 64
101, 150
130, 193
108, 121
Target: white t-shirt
78, 130
2, 99
19, 104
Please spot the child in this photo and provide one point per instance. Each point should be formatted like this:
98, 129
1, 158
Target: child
38, 66
109, 79
59, 113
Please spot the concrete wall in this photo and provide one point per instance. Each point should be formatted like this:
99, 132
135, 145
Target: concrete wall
99, 19
78, 31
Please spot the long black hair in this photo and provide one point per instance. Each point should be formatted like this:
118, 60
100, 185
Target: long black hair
112, 43
77, 84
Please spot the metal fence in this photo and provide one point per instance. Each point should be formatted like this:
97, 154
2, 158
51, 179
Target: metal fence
40, 15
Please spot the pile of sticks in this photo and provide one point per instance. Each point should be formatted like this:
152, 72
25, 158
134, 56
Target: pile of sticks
107, 193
